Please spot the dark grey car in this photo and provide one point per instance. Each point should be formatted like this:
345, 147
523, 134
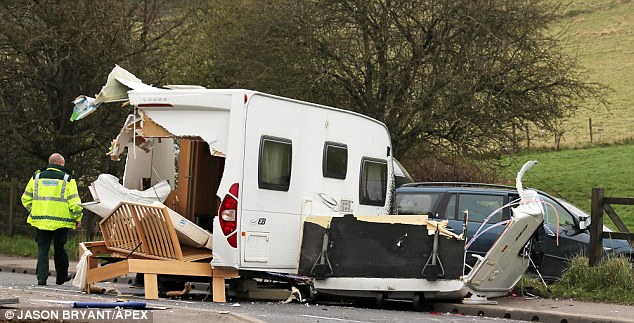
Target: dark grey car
550, 251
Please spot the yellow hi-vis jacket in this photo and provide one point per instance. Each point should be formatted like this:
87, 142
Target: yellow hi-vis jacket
52, 199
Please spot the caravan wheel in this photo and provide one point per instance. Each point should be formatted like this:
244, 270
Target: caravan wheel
379, 298
417, 301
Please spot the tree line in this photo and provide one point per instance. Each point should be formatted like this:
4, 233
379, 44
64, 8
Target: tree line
452, 80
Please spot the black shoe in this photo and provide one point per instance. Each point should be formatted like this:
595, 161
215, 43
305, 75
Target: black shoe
41, 283
138, 280
137, 283
61, 282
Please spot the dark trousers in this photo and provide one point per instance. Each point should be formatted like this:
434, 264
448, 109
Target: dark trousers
60, 257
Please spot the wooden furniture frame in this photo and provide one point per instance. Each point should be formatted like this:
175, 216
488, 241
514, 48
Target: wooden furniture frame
144, 238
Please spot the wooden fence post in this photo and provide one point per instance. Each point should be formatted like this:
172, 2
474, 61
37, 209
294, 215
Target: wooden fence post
13, 190
596, 227
590, 127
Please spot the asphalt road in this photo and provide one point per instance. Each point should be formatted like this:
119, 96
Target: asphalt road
195, 308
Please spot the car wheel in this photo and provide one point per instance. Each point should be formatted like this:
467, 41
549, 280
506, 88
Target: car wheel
536, 252
418, 301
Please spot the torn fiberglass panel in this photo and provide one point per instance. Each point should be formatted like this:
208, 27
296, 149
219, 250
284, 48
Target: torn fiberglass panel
210, 125
130, 132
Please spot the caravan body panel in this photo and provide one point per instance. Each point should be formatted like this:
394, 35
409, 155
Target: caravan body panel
271, 217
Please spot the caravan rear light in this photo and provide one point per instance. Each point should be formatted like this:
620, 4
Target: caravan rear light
228, 215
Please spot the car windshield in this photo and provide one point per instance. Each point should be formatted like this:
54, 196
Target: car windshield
573, 209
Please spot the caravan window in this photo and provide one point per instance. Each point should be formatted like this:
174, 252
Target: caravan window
373, 184
274, 170
335, 163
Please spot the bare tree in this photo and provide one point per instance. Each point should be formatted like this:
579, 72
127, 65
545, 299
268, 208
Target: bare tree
446, 77
52, 51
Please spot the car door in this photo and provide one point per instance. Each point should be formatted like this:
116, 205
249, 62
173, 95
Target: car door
558, 240
479, 206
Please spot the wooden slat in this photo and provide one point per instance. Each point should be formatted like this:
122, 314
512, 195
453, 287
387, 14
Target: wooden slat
137, 223
194, 254
118, 226
162, 244
172, 241
139, 255
615, 217
107, 272
129, 230
170, 267
158, 229
218, 289
619, 235
150, 282
104, 230
147, 238
172, 233
121, 227
96, 247
218, 282
139, 236
619, 200
152, 228
225, 272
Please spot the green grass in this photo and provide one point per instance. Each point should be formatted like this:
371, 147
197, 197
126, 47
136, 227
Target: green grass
600, 35
571, 174
612, 281
23, 246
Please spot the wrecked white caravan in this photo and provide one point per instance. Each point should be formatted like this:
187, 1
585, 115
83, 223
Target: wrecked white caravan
261, 162
299, 188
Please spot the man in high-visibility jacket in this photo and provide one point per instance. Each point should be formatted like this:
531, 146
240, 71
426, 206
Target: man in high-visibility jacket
54, 207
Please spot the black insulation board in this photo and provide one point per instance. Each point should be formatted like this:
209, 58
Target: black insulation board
377, 250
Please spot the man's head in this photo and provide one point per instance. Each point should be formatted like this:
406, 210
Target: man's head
56, 159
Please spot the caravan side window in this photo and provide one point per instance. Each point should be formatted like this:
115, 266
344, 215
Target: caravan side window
373, 182
274, 169
335, 162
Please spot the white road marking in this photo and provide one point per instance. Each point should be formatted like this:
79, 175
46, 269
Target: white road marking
333, 318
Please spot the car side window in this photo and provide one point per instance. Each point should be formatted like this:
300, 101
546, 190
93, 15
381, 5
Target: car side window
480, 206
565, 218
416, 203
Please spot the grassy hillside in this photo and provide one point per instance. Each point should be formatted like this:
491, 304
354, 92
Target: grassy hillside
571, 174
601, 34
